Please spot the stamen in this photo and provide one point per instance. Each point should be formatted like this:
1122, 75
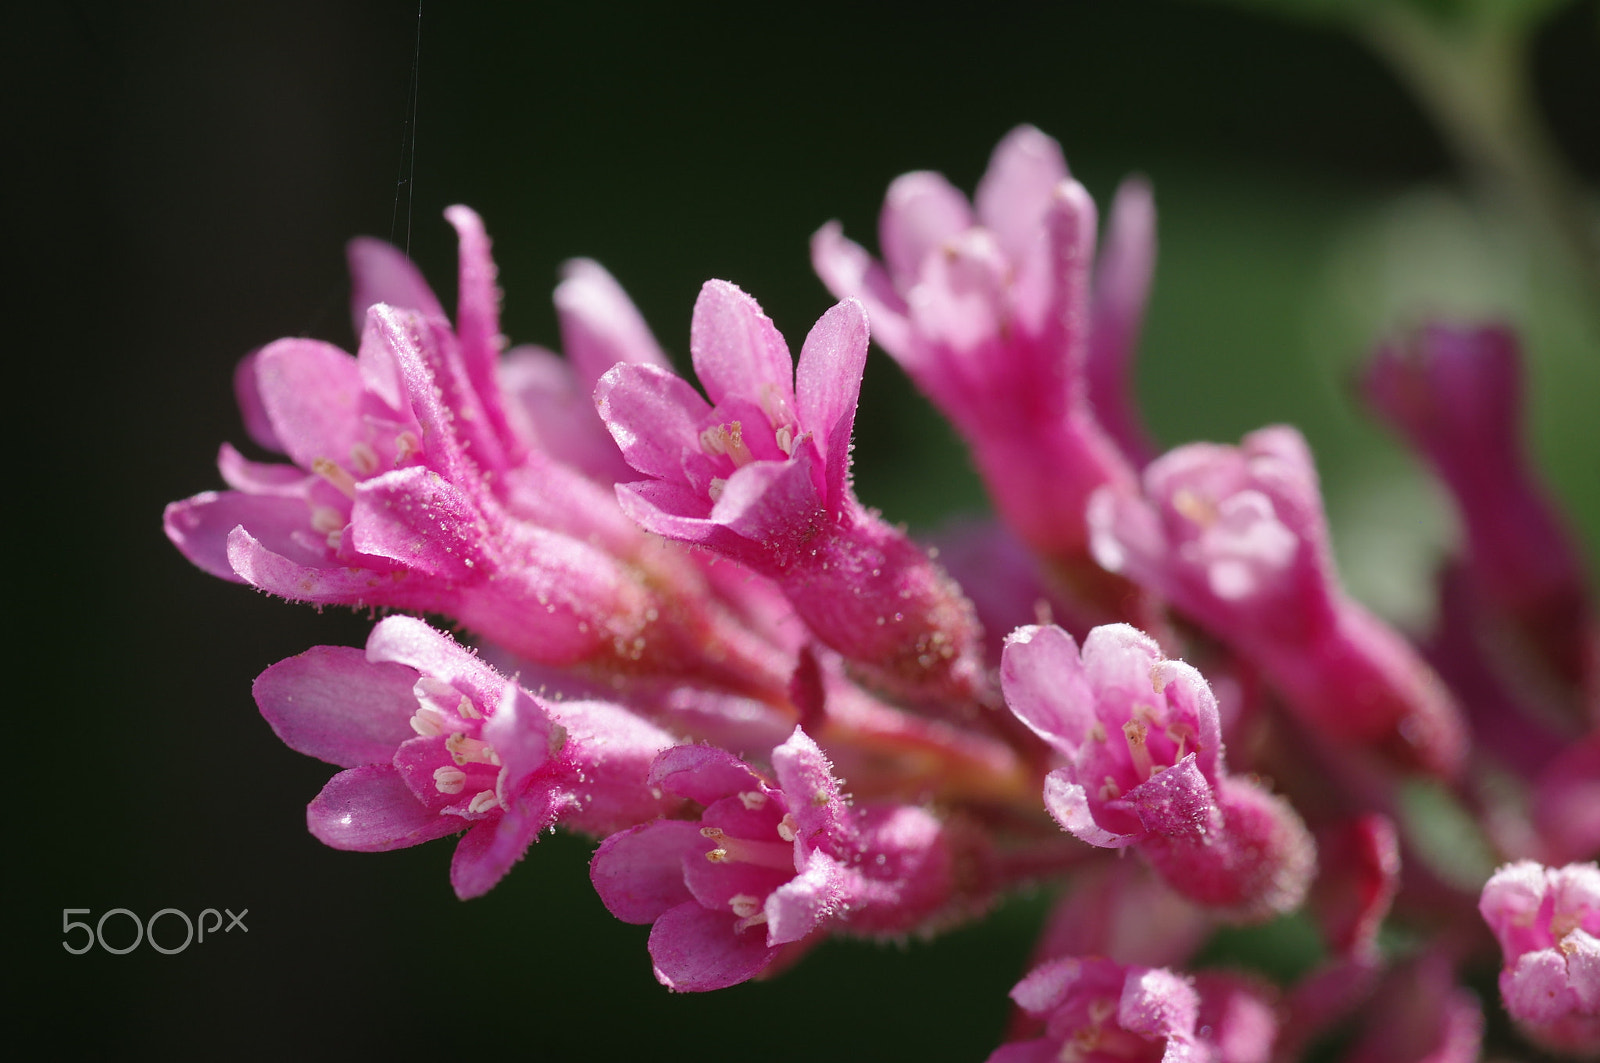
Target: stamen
1200, 510
774, 405
727, 439
326, 520
428, 721
716, 487
1181, 733
1097, 732
753, 799
1109, 790
744, 905
483, 802
1136, 732
744, 851
406, 444
449, 780
785, 436
788, 827
336, 476
466, 711
465, 750
363, 458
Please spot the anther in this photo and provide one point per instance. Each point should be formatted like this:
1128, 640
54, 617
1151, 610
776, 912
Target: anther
449, 780
483, 802
363, 458
465, 750
336, 476
752, 799
787, 827
1136, 732
744, 851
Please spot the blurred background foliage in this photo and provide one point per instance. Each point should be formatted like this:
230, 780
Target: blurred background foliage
186, 175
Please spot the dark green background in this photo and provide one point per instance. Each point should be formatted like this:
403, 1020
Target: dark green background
183, 178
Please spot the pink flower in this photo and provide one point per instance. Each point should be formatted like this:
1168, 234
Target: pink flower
1143, 748
991, 313
766, 865
1097, 1009
760, 474
1547, 921
1236, 538
436, 742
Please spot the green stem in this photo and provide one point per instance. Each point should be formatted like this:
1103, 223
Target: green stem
1473, 81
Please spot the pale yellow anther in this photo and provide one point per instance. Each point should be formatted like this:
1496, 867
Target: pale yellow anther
716, 487
406, 444
752, 799
363, 459
788, 827
449, 780
785, 437
1201, 511
336, 476
428, 721
1136, 732
466, 711
744, 905
483, 801
325, 520
466, 750
1097, 732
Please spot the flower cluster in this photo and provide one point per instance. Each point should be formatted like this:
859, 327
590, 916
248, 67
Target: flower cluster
691, 636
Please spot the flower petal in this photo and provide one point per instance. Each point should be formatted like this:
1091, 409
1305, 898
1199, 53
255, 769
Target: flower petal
333, 704
735, 347
1015, 190
371, 810
921, 211
695, 950
1068, 805
638, 873
381, 273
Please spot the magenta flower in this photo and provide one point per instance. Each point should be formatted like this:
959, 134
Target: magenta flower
1236, 538
766, 865
1097, 1009
1455, 394
1547, 921
760, 474
1143, 747
990, 312
436, 742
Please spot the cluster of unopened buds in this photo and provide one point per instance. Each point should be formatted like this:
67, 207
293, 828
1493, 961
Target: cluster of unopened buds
784, 718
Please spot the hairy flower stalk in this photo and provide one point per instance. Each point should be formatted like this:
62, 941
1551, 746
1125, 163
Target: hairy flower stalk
692, 630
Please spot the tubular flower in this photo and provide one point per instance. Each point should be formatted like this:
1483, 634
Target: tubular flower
1143, 747
435, 742
989, 310
1547, 921
1099, 1009
761, 475
413, 487
766, 865
1236, 538
1455, 395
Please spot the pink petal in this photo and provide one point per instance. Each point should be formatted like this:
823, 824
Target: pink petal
828, 386
415, 517
519, 730
412, 642
483, 857
311, 392
1158, 1003
1121, 288
772, 503
921, 211
333, 704
1068, 805
600, 326
638, 873
808, 900
370, 810
1043, 683
1176, 803
703, 773
263, 567
200, 527
248, 393
1015, 190
262, 478
848, 271
653, 414
695, 950
806, 777
735, 347
381, 273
